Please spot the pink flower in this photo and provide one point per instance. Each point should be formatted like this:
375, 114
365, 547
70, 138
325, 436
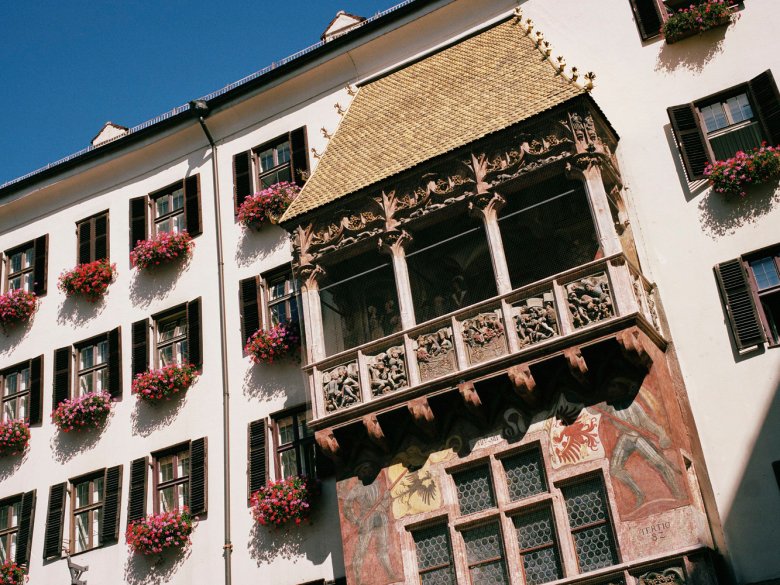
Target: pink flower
267, 205
154, 385
164, 247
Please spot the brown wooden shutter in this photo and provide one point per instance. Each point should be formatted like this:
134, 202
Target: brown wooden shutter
52, 540
140, 349
24, 536
136, 503
198, 477
112, 503
249, 304
258, 459
740, 305
36, 390
192, 210
138, 222
766, 98
61, 386
194, 339
694, 147
101, 237
300, 159
85, 241
40, 264
242, 177
115, 363
648, 19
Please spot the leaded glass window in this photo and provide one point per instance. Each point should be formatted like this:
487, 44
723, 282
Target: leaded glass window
475, 491
434, 556
591, 529
525, 474
485, 555
538, 547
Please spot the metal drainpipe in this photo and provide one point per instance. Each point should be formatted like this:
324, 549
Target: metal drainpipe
201, 109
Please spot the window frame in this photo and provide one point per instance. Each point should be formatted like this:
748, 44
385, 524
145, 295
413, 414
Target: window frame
89, 509
257, 171
78, 348
92, 219
175, 313
168, 191
157, 487
9, 275
267, 281
17, 368
757, 294
10, 555
663, 15
298, 444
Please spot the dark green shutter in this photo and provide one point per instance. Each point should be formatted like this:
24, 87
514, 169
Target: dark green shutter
192, 205
198, 477
40, 265
140, 349
242, 177
766, 98
52, 539
137, 220
648, 19
258, 469
694, 147
115, 363
24, 536
136, 504
36, 390
740, 306
248, 304
62, 364
194, 340
85, 241
300, 159
112, 502
101, 237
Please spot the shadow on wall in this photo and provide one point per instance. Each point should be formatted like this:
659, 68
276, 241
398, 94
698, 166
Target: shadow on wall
147, 417
259, 385
11, 464
13, 336
155, 283
722, 215
256, 245
154, 569
77, 311
691, 54
65, 446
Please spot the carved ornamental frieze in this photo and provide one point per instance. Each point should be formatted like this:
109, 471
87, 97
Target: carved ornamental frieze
535, 319
589, 300
341, 386
387, 371
435, 354
484, 337
670, 576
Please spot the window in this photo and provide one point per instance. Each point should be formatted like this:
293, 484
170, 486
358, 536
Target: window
174, 209
434, 555
168, 207
92, 238
172, 481
538, 546
93, 365
594, 542
16, 392
649, 16
716, 127
284, 158
10, 512
178, 479
93, 371
25, 266
87, 508
175, 338
268, 300
171, 346
485, 554
294, 444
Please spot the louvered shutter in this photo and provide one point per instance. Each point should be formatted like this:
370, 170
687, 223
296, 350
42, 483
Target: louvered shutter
137, 220
740, 306
140, 349
62, 363
300, 159
648, 19
136, 504
115, 362
24, 536
40, 264
101, 237
192, 205
85, 241
194, 339
198, 478
52, 540
766, 98
250, 311
242, 177
258, 459
112, 502
694, 147
36, 390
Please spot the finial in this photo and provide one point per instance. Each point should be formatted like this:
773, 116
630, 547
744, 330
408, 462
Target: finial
589, 77
315, 154
574, 74
518, 12
539, 38
529, 26
341, 111
350, 91
325, 133
547, 50
560, 65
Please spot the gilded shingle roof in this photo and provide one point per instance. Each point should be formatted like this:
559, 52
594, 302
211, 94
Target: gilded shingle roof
451, 98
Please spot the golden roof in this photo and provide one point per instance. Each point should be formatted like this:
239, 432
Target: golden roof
483, 84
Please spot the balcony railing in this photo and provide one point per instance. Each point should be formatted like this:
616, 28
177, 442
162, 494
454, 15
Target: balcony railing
545, 315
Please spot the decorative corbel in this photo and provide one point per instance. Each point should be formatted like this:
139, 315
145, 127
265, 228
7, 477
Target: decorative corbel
350, 91
315, 154
388, 205
339, 110
375, 433
329, 445
478, 166
577, 366
486, 205
633, 349
524, 385
327, 135
394, 242
309, 275
472, 401
422, 415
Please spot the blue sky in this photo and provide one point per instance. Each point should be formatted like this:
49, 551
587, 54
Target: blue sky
67, 67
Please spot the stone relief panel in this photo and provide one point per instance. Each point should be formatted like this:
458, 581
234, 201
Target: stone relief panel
589, 300
435, 354
341, 386
535, 319
387, 371
484, 336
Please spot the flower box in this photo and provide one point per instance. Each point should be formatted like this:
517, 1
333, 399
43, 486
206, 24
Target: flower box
164, 248
697, 18
89, 280
16, 306
267, 345
14, 436
734, 175
11, 574
88, 411
267, 205
159, 532
156, 385
284, 501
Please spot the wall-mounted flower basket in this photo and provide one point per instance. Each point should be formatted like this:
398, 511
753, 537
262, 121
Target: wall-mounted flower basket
89, 280
11, 574
164, 383
164, 248
285, 501
280, 341
86, 412
16, 306
14, 437
734, 175
268, 205
159, 532
697, 18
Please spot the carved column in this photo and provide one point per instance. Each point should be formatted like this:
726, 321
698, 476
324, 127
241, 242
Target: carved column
312, 311
486, 206
587, 168
394, 243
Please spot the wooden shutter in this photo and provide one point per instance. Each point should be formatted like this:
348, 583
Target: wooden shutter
136, 504
694, 146
194, 339
85, 241
115, 363
740, 306
648, 18
248, 302
192, 205
140, 349
36, 390
62, 363
258, 458
198, 478
300, 159
52, 540
24, 536
766, 98
138, 222
101, 237
242, 177
112, 503
40, 264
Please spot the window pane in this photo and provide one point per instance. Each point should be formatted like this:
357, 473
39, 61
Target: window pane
22, 404
4, 516
97, 490
85, 383
165, 468
87, 357
277, 313
177, 199
484, 544
287, 463
3, 547
595, 548
165, 226
286, 430
96, 517
525, 474
101, 380
16, 262
11, 383
166, 356
183, 466
82, 532
283, 153
587, 507
276, 289
162, 205
303, 428
307, 457
433, 550
765, 272
266, 159
178, 225
771, 305
82, 494
102, 353
168, 498
171, 328
15, 283
585, 503
9, 410
739, 107
535, 531
475, 491
714, 117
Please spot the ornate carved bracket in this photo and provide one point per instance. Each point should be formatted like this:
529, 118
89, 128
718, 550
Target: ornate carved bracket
329, 445
486, 205
393, 242
577, 366
633, 349
310, 274
524, 385
422, 415
472, 401
375, 433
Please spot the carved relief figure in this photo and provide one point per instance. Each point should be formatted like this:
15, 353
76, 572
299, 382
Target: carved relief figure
484, 336
536, 320
589, 300
387, 371
341, 387
435, 355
